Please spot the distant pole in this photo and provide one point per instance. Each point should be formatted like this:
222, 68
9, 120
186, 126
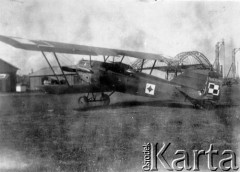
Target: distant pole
233, 63
237, 74
221, 70
217, 57
220, 52
223, 53
234, 70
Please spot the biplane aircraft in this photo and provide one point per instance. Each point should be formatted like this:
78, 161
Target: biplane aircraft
197, 82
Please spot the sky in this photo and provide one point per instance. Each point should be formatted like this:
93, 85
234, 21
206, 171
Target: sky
165, 27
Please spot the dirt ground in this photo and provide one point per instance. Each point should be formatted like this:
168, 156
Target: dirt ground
40, 132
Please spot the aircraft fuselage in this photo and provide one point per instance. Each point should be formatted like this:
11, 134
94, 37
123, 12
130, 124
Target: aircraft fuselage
123, 78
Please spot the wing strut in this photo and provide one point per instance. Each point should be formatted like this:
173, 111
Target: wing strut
61, 68
105, 59
90, 60
153, 66
50, 65
122, 58
142, 64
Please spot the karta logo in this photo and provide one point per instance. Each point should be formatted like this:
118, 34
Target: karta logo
153, 157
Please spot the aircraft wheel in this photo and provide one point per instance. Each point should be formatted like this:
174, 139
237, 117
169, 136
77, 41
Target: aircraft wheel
83, 102
105, 99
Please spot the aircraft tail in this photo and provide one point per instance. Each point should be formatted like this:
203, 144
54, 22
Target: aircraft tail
213, 88
209, 94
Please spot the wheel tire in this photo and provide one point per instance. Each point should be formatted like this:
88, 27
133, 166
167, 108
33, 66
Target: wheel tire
83, 102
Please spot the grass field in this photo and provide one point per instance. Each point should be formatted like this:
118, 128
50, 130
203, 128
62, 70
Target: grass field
40, 132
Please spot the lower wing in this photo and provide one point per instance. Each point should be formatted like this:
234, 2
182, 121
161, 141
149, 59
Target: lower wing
64, 89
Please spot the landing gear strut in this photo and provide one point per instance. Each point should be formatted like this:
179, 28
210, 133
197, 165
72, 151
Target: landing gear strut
92, 100
106, 99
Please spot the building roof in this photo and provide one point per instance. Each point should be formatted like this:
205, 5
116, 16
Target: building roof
6, 67
47, 71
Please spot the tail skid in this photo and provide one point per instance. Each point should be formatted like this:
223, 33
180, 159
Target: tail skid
199, 103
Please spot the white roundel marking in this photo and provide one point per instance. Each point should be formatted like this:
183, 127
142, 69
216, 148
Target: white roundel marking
213, 89
150, 89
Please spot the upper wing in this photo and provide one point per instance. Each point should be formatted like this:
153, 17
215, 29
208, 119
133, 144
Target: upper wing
48, 46
178, 68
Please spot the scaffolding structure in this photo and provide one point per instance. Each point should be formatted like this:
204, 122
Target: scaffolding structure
219, 52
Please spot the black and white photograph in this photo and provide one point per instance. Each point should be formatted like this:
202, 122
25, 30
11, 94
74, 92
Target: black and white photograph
119, 86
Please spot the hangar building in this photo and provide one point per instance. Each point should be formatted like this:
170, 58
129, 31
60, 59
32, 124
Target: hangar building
45, 76
8, 78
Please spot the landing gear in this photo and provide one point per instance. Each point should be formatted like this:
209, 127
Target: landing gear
92, 100
209, 105
205, 104
106, 99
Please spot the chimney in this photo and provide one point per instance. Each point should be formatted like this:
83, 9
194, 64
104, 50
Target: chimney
234, 63
223, 57
216, 63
